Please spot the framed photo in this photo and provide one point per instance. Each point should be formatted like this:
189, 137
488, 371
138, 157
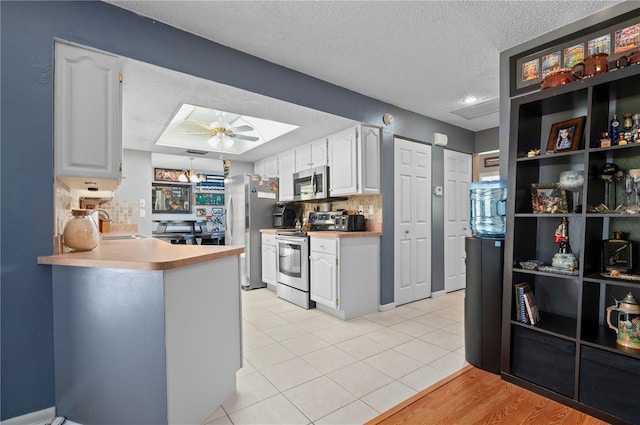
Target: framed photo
201, 212
573, 55
601, 44
627, 38
492, 161
565, 136
548, 198
551, 63
166, 175
171, 198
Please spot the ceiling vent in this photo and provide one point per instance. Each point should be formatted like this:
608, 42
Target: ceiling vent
479, 109
195, 152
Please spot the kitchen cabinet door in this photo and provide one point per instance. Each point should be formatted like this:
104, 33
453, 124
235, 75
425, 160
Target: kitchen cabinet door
267, 167
319, 152
87, 117
369, 160
286, 167
324, 279
343, 163
303, 158
269, 260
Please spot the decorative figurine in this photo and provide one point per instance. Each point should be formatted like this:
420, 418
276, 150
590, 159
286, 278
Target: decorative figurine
564, 258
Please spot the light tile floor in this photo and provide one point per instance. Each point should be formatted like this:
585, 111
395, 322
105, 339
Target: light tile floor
308, 367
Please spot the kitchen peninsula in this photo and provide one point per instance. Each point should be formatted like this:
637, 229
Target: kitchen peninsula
145, 332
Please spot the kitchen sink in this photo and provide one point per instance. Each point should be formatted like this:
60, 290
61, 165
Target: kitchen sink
123, 237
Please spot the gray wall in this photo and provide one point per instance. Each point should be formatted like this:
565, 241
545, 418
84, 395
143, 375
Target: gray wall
487, 140
27, 33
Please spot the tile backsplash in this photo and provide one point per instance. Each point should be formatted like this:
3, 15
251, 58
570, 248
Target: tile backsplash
352, 203
120, 212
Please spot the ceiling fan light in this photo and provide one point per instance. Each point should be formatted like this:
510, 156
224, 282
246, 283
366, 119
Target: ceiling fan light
194, 178
227, 143
183, 177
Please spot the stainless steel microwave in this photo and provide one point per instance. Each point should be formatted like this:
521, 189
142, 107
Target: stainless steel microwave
311, 184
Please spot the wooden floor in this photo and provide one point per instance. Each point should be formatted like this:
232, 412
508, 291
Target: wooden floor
475, 396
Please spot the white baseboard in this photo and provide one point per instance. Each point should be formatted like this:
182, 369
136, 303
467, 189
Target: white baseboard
437, 294
387, 307
40, 417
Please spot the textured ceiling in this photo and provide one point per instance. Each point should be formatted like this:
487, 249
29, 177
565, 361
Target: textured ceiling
424, 56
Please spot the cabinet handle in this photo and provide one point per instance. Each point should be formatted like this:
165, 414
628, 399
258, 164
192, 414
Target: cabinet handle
321, 246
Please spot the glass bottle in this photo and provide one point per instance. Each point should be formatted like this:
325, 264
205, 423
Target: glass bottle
614, 129
627, 126
635, 131
80, 233
605, 141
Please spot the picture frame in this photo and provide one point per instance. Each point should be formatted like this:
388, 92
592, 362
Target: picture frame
171, 198
166, 174
492, 161
565, 136
209, 198
548, 198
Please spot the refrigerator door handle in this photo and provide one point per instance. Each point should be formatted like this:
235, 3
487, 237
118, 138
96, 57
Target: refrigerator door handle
230, 222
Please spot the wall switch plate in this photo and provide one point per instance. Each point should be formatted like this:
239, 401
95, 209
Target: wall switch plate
143, 213
437, 190
371, 212
142, 203
360, 209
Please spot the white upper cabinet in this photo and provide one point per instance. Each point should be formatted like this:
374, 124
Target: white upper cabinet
369, 160
343, 177
354, 161
286, 166
87, 118
319, 155
311, 155
267, 167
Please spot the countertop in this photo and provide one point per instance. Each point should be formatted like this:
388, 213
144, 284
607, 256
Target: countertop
333, 233
142, 254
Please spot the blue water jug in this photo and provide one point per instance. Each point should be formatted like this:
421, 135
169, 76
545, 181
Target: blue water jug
488, 207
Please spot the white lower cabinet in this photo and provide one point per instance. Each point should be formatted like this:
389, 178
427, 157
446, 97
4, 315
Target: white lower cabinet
345, 275
324, 272
269, 260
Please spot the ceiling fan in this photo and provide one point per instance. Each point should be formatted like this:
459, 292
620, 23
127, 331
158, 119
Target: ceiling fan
221, 133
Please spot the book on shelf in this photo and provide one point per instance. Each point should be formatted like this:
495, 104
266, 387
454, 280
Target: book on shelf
532, 308
521, 312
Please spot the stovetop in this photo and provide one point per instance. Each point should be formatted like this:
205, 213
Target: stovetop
291, 232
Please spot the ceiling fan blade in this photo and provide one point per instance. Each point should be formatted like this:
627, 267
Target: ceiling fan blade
195, 134
241, 137
241, 129
201, 124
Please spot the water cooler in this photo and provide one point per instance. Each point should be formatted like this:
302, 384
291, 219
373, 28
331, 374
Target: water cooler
484, 265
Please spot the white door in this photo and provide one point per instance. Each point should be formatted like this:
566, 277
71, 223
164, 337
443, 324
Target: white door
412, 244
457, 179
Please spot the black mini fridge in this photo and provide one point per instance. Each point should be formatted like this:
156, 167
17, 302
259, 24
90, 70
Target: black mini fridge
483, 301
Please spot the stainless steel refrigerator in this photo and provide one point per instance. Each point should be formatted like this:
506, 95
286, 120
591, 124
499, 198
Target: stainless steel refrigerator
249, 202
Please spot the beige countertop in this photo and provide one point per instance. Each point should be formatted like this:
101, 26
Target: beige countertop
141, 254
333, 233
